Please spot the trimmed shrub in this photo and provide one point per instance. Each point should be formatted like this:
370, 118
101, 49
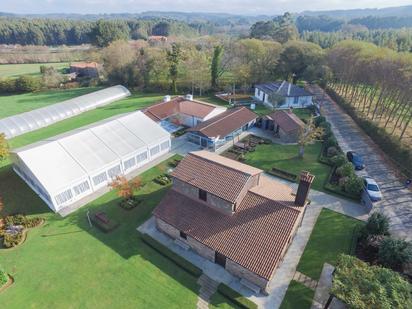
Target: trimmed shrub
27, 83
177, 259
235, 297
12, 240
330, 142
164, 179
377, 224
394, 253
319, 120
345, 170
338, 160
354, 185
332, 151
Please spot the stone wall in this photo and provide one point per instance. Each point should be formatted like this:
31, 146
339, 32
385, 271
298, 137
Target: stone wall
167, 229
201, 249
193, 193
241, 272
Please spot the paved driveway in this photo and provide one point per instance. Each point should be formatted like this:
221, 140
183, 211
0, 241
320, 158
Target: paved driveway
397, 200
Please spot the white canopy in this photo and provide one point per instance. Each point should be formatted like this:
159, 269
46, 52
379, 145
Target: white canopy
42, 117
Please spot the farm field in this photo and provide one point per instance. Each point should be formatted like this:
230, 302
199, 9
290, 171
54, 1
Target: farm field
15, 104
67, 264
285, 157
33, 69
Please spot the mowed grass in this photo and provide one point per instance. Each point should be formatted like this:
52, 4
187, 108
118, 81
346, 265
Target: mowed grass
33, 69
15, 104
219, 301
331, 236
285, 157
298, 296
68, 264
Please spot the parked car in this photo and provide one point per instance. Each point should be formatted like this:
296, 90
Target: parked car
356, 160
372, 189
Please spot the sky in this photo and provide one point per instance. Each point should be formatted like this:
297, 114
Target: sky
243, 7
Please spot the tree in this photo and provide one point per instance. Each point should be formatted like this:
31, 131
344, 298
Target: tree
362, 286
216, 70
377, 224
4, 147
125, 188
354, 185
107, 31
394, 253
27, 83
174, 57
51, 78
308, 134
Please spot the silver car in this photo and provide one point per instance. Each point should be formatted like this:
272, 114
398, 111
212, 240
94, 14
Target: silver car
372, 189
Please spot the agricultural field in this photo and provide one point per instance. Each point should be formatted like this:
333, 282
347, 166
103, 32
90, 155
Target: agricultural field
33, 69
15, 104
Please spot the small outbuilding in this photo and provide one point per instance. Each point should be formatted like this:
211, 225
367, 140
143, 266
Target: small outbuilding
284, 124
64, 169
283, 94
85, 69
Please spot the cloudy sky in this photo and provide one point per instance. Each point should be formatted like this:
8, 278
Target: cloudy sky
244, 7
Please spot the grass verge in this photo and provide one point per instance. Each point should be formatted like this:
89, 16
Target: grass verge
298, 296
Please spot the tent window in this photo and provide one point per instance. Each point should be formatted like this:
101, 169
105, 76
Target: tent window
141, 157
99, 178
63, 197
154, 150
164, 145
83, 187
129, 163
114, 171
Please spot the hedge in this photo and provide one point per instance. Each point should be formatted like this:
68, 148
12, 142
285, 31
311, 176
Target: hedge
235, 297
388, 143
283, 174
177, 259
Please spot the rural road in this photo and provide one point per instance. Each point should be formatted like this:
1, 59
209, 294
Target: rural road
397, 200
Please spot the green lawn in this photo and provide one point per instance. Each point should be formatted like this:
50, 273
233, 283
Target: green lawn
285, 157
19, 103
16, 70
331, 236
219, 301
67, 264
303, 113
298, 296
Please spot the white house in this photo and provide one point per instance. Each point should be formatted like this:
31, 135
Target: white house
64, 169
283, 95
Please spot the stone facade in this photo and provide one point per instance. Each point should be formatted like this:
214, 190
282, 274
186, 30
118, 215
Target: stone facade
289, 137
241, 272
201, 249
193, 192
167, 229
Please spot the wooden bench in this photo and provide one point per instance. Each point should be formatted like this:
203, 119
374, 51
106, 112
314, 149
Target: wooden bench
101, 216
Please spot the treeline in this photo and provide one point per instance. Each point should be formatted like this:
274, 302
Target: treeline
398, 40
376, 84
54, 32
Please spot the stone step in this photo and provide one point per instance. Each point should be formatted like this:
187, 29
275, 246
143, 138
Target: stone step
182, 244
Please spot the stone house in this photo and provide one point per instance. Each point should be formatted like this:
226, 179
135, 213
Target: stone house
283, 95
85, 69
233, 215
284, 124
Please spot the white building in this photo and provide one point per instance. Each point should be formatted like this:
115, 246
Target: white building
42, 117
66, 168
283, 95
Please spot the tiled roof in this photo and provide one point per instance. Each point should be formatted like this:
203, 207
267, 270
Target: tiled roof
219, 176
225, 123
255, 236
286, 120
284, 89
164, 110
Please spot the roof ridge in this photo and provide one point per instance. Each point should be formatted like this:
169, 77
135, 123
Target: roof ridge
221, 164
218, 120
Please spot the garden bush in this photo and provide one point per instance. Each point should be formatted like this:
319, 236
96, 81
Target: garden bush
338, 160
319, 120
177, 259
164, 179
394, 253
330, 142
235, 297
12, 240
332, 151
377, 224
345, 170
354, 185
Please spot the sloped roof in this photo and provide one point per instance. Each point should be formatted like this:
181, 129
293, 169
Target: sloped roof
176, 105
225, 123
284, 89
286, 120
215, 174
255, 236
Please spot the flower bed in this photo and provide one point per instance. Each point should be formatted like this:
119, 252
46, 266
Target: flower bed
283, 174
131, 203
164, 179
14, 229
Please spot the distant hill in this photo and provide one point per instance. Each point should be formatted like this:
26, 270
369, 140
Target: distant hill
399, 11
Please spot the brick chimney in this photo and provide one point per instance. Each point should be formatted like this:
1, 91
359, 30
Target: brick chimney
305, 182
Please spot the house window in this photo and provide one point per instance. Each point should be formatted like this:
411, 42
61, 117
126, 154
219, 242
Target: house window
220, 259
296, 100
202, 195
183, 235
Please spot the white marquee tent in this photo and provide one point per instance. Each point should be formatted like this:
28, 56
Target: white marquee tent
42, 117
68, 167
